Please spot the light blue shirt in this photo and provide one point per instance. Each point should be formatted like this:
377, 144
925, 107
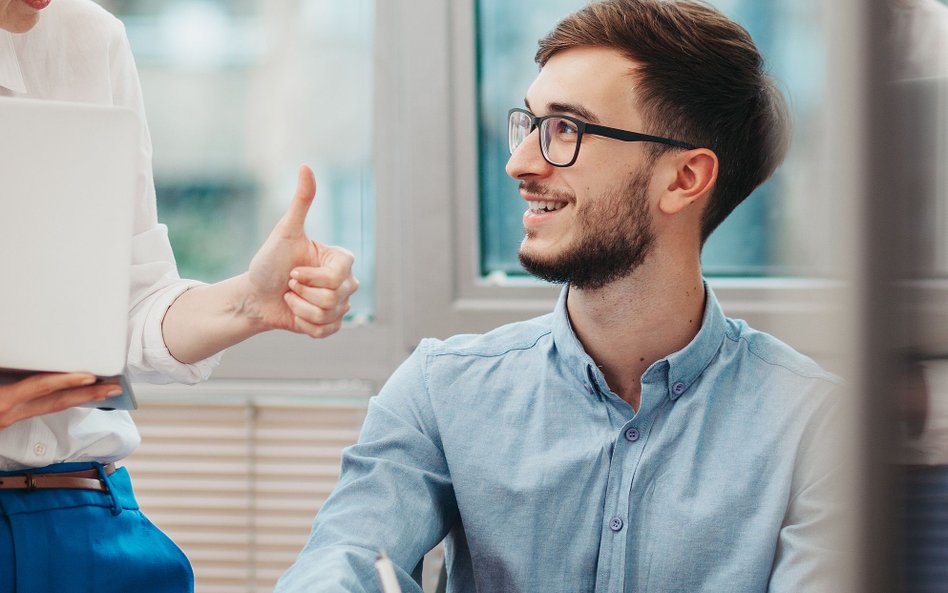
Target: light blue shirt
513, 446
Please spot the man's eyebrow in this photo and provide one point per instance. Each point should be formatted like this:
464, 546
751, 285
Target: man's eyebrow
572, 109
569, 109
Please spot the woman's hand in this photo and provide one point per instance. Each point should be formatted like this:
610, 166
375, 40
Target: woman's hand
46, 393
296, 283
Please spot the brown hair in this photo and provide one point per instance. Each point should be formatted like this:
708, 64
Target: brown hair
700, 80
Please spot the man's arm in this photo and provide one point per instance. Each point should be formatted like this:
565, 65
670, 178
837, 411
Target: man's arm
394, 494
812, 544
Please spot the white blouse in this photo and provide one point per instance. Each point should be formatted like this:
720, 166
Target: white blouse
79, 52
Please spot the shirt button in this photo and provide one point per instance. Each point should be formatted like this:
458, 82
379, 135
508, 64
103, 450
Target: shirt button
39, 449
616, 523
678, 388
632, 435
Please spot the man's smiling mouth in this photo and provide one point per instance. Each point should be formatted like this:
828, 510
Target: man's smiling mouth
539, 206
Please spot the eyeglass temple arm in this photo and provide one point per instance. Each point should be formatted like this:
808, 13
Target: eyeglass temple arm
634, 136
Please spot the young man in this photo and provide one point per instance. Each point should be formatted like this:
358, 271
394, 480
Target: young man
635, 439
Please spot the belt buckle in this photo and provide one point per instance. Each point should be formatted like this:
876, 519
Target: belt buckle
30, 482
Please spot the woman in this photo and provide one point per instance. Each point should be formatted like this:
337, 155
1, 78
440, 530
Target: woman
68, 518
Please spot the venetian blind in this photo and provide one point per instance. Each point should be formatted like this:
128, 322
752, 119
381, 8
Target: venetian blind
237, 483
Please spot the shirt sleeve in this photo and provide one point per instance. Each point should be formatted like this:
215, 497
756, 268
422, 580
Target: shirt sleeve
154, 280
811, 550
394, 494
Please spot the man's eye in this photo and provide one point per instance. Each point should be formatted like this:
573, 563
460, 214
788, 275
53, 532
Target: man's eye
565, 127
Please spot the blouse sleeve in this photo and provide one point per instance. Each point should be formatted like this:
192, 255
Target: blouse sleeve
155, 283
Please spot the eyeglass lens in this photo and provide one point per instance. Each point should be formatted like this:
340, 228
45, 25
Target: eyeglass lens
558, 140
519, 127
558, 136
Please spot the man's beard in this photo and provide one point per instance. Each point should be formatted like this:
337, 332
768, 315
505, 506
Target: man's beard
614, 237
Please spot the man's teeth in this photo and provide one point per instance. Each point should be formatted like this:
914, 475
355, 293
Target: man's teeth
541, 206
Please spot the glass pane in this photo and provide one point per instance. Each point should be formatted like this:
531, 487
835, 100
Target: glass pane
776, 231
238, 94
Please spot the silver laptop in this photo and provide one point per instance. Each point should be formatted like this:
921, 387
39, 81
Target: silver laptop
67, 185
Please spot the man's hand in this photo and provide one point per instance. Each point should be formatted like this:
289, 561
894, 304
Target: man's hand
49, 392
298, 284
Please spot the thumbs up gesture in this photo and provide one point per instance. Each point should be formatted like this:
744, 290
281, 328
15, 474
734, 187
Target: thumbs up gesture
298, 284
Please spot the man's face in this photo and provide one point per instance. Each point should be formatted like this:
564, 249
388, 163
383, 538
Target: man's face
19, 16
590, 223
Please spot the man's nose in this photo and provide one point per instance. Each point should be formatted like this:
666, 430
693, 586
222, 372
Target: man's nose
527, 159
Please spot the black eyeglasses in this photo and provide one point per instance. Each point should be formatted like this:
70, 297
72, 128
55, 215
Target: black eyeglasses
560, 135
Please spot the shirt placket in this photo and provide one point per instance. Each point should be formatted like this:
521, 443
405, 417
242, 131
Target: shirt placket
630, 443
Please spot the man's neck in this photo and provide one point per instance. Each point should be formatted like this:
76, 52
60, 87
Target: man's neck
633, 322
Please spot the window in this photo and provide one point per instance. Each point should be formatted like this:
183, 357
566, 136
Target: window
237, 95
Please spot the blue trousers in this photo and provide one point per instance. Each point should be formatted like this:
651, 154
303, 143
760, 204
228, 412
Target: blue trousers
83, 541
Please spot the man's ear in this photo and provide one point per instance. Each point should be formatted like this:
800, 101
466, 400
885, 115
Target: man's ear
696, 171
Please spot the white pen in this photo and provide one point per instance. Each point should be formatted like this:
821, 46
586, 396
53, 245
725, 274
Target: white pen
383, 564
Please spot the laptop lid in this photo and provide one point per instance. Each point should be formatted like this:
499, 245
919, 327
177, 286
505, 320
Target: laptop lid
67, 186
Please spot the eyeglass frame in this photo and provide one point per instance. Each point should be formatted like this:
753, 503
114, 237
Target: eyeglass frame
583, 127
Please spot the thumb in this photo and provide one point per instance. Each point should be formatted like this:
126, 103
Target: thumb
305, 193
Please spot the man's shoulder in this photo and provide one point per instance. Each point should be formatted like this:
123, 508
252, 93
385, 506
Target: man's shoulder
512, 337
774, 355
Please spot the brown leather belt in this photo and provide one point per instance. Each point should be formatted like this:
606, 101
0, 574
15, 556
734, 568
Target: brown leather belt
87, 479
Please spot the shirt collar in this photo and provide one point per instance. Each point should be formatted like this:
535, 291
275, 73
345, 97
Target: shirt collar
683, 367
686, 365
10, 75
568, 346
